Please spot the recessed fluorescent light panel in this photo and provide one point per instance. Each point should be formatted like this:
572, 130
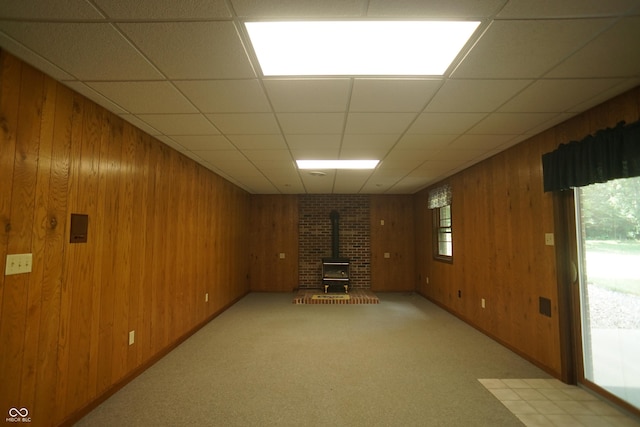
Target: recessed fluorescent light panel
337, 164
334, 48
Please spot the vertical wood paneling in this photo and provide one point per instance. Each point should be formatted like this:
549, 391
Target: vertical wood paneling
9, 101
83, 187
139, 270
15, 310
162, 232
52, 259
500, 216
274, 230
396, 237
39, 239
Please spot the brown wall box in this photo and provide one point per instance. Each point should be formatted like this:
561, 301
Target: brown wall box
79, 227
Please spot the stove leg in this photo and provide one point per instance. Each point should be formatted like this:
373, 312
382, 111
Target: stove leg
346, 289
325, 288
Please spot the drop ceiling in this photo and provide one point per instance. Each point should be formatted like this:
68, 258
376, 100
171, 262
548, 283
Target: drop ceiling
185, 72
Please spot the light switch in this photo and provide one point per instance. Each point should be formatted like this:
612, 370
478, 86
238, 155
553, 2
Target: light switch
387, 255
18, 264
282, 255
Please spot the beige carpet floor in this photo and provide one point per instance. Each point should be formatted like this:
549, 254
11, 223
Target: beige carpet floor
268, 362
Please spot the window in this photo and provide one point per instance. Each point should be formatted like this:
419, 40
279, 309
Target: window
440, 204
442, 242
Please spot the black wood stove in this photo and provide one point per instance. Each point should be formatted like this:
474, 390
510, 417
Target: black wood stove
335, 270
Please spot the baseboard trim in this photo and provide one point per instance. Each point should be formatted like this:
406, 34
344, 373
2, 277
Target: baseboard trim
79, 414
503, 343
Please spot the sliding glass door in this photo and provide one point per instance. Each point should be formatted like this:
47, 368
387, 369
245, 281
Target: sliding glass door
608, 229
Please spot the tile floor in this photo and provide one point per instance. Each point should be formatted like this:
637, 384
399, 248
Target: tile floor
550, 402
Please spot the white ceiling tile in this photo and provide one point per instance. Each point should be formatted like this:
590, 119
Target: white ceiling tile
171, 143
192, 50
193, 58
164, 9
469, 96
318, 184
406, 159
82, 48
226, 96
375, 143
231, 161
283, 172
30, 57
144, 126
384, 123
303, 142
526, 49
409, 185
457, 156
246, 124
554, 120
50, 10
85, 90
380, 183
268, 158
526, 9
434, 169
363, 153
614, 59
261, 142
203, 142
180, 124
419, 141
350, 181
449, 9
311, 123
392, 95
444, 123
307, 9
557, 95
260, 186
479, 142
315, 153
289, 187
510, 123
145, 97
195, 157
601, 97
308, 95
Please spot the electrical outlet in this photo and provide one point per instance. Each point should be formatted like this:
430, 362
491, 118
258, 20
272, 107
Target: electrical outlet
18, 264
132, 337
387, 255
548, 239
282, 255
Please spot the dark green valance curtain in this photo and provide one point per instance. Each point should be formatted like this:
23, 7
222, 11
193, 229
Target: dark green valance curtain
611, 153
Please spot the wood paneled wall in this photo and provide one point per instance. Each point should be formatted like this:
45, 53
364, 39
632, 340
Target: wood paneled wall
274, 231
500, 217
396, 237
163, 232
274, 228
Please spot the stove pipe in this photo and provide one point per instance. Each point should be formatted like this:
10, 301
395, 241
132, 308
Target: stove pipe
335, 234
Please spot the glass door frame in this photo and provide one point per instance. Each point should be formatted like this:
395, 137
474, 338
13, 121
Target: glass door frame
569, 307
